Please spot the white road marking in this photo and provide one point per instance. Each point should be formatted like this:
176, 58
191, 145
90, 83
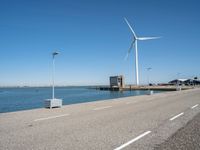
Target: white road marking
194, 106
51, 117
176, 116
132, 141
152, 98
131, 102
100, 108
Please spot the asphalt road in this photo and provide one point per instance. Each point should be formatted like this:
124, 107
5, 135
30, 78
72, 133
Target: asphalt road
140, 122
186, 138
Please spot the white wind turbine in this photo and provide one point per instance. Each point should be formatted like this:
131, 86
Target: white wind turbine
135, 40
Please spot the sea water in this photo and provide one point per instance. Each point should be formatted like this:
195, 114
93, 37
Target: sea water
15, 99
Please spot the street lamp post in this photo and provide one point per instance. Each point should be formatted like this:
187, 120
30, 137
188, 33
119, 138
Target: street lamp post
178, 87
148, 69
53, 73
54, 102
149, 91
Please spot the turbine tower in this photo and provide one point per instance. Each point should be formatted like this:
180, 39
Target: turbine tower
134, 42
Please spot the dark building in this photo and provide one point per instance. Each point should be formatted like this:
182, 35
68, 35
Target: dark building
186, 82
117, 81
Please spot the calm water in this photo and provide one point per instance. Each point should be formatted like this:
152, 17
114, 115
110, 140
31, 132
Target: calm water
15, 99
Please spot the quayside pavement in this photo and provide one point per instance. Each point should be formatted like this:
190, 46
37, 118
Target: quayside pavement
138, 122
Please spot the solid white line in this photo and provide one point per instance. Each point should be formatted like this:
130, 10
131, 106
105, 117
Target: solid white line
132, 141
100, 108
194, 106
52, 117
176, 116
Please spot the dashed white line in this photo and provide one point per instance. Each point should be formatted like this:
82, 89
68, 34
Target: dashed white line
132, 141
194, 106
100, 108
131, 102
176, 116
51, 117
149, 99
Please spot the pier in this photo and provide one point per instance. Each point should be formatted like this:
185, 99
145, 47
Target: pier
132, 87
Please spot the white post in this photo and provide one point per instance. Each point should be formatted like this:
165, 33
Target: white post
53, 72
51, 103
136, 63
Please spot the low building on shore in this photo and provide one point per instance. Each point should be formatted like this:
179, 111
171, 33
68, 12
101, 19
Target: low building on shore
117, 82
187, 82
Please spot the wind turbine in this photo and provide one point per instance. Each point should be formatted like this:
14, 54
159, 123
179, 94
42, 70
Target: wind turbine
134, 42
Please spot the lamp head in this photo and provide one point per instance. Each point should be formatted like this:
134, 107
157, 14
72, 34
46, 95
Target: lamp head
55, 53
149, 68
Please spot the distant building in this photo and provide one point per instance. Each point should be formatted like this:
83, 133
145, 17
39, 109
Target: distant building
185, 82
196, 82
178, 81
117, 81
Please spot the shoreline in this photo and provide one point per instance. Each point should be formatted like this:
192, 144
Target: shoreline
31, 98
102, 101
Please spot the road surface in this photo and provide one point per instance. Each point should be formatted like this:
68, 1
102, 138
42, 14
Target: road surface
139, 122
186, 138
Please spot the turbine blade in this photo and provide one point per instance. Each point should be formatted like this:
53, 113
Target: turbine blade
147, 38
129, 50
130, 28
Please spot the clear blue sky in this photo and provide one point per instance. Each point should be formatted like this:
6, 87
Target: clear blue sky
93, 40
